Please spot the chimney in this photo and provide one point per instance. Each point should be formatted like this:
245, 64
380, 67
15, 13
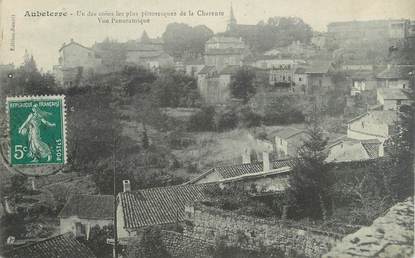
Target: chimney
126, 186
381, 152
33, 183
265, 161
246, 156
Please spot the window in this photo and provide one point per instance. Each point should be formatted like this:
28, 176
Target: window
398, 102
363, 124
403, 85
79, 229
300, 79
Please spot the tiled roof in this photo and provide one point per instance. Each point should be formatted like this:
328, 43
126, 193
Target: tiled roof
392, 93
255, 167
300, 70
381, 116
61, 246
225, 51
230, 69
207, 69
318, 67
75, 43
396, 72
371, 147
89, 207
161, 205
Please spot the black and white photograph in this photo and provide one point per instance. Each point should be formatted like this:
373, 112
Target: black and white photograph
207, 129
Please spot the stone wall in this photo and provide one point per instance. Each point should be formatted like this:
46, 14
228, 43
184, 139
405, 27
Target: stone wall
389, 236
179, 245
211, 224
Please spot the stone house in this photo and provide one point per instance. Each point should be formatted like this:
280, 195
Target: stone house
362, 81
287, 141
318, 78
391, 99
395, 76
245, 170
300, 80
213, 85
59, 246
82, 212
221, 52
162, 206
354, 150
75, 61
149, 54
375, 124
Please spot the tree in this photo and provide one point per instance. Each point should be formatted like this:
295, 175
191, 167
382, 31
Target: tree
97, 241
203, 120
310, 181
149, 246
242, 84
182, 40
400, 148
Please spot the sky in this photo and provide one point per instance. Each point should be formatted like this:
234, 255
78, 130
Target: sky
43, 36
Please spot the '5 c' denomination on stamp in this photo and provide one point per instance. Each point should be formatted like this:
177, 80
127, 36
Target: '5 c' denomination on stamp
37, 130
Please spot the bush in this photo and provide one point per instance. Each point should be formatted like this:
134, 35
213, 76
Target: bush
227, 120
203, 120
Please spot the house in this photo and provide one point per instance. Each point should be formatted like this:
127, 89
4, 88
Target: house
319, 40
392, 99
300, 80
213, 85
318, 78
59, 246
395, 76
223, 173
352, 150
375, 124
75, 61
155, 206
192, 68
287, 141
148, 53
362, 81
82, 212
356, 65
221, 51
349, 34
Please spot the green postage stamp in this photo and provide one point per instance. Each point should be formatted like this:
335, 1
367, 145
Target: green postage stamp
37, 130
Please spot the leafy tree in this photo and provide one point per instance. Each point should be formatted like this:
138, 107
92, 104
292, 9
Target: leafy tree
28, 80
174, 89
401, 148
203, 120
242, 85
227, 120
182, 40
149, 246
137, 80
97, 241
310, 182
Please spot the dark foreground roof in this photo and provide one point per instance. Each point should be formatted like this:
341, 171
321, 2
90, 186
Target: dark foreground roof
161, 205
89, 207
61, 246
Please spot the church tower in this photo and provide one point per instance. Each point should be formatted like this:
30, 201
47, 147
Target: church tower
232, 20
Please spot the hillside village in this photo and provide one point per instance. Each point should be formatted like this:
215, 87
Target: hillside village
228, 147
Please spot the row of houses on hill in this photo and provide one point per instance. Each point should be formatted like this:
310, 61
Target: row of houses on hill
77, 61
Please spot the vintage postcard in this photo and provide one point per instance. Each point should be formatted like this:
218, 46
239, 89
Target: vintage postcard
210, 129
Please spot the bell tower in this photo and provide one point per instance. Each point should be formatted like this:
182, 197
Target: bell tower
232, 20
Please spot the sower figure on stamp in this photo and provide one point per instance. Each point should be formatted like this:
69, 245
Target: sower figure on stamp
37, 148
